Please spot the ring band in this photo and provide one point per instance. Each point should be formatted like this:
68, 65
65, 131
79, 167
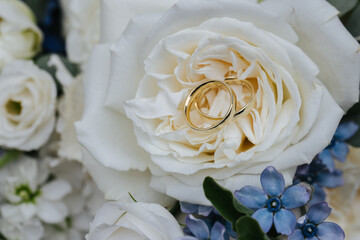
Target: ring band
199, 94
194, 96
248, 106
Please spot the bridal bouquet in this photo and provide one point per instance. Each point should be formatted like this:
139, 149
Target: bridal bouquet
179, 119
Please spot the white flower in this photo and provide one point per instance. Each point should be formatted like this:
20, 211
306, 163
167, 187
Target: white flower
116, 220
70, 108
30, 230
82, 27
20, 38
23, 187
299, 58
82, 203
27, 106
345, 200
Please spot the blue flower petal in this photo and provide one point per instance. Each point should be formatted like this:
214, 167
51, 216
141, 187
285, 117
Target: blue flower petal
264, 218
330, 179
272, 182
296, 235
218, 232
340, 151
188, 207
296, 196
229, 230
346, 130
313, 238
329, 230
251, 197
205, 210
187, 238
327, 159
198, 227
318, 212
285, 221
318, 195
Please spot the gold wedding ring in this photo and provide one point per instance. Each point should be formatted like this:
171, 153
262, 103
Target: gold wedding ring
197, 98
194, 96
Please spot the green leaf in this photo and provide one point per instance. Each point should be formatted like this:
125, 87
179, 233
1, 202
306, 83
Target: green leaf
8, 157
344, 6
248, 228
353, 22
222, 199
241, 208
38, 7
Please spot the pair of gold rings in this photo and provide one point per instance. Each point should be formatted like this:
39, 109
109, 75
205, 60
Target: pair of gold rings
197, 98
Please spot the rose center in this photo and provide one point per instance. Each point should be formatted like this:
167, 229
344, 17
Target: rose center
13, 107
274, 204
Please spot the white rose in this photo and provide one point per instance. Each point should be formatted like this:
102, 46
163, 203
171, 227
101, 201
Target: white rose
116, 220
345, 200
299, 58
82, 27
27, 106
20, 38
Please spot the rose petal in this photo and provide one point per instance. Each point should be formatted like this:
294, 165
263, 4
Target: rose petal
119, 13
316, 22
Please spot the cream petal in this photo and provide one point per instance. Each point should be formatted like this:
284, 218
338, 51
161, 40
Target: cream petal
117, 185
189, 13
119, 13
105, 133
317, 138
55, 190
51, 212
125, 67
316, 23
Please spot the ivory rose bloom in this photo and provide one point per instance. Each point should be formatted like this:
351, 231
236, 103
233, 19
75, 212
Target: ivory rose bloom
132, 221
20, 38
27, 106
298, 57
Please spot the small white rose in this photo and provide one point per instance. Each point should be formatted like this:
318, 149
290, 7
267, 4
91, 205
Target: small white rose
303, 66
82, 28
20, 38
116, 220
27, 106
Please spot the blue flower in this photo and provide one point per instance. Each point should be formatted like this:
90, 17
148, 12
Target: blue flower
312, 226
319, 176
272, 205
202, 229
196, 209
210, 224
338, 148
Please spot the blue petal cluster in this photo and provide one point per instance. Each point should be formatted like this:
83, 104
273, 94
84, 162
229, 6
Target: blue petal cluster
319, 177
311, 226
338, 148
208, 225
274, 202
